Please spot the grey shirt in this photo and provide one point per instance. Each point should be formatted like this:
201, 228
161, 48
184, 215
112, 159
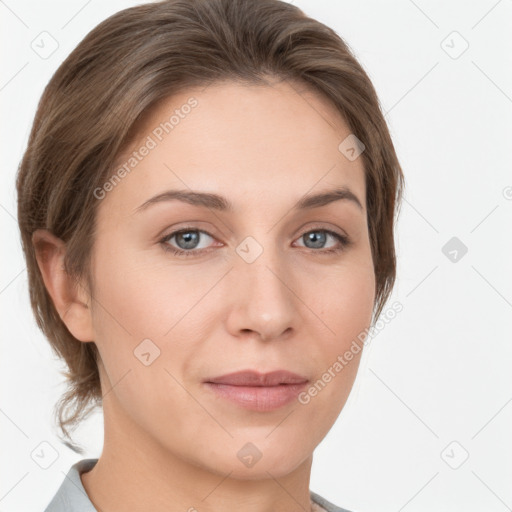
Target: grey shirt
71, 495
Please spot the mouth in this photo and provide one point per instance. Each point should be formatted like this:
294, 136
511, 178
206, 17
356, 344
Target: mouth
256, 391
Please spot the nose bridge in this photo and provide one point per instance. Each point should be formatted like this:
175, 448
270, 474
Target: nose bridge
264, 302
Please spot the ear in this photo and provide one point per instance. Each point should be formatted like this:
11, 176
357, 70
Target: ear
70, 297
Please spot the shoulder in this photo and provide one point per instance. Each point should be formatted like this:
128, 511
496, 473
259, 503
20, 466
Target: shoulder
327, 505
71, 495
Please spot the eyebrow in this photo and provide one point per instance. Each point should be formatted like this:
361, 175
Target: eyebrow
220, 203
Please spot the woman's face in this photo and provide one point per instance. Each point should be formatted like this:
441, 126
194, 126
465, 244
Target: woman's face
262, 283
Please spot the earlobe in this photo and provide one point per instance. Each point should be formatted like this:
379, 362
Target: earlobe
69, 297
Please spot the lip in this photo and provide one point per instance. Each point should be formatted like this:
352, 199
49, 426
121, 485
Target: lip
258, 391
255, 378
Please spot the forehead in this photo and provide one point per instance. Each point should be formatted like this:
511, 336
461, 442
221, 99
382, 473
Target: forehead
246, 142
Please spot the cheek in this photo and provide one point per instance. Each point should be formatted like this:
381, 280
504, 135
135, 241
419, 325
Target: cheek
353, 300
346, 305
142, 297
140, 316
346, 298
148, 310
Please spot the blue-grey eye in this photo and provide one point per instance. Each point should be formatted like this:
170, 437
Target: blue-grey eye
189, 239
317, 239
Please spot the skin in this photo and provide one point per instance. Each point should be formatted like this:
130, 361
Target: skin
171, 444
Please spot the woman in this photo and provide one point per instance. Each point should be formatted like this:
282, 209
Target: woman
206, 206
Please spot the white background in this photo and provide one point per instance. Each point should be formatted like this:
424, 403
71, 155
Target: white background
440, 371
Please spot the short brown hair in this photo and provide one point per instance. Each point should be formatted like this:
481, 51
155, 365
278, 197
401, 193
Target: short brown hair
94, 102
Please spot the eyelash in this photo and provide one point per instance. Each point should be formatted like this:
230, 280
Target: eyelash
344, 241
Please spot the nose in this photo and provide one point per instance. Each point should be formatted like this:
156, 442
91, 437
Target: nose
262, 302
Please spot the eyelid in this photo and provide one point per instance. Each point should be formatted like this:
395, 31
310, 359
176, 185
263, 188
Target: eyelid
321, 226
342, 239
186, 229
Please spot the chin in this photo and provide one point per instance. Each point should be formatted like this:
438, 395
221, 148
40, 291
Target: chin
261, 470
250, 464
